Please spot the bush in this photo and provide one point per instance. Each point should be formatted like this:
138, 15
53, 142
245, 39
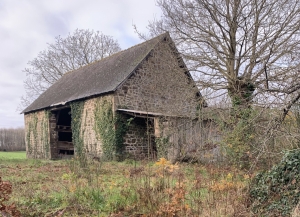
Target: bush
277, 191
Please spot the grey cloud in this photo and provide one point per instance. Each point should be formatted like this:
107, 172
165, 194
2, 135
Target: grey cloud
27, 26
57, 24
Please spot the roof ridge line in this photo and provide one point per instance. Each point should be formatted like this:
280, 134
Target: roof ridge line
96, 61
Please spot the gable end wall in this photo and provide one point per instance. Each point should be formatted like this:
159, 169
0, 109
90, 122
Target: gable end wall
159, 85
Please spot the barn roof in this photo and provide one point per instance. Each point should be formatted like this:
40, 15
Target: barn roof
102, 76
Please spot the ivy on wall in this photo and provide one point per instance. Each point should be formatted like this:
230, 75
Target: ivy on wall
44, 125
110, 129
76, 111
162, 142
37, 136
32, 129
162, 146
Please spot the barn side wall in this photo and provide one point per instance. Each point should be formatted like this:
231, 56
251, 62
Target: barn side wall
159, 85
37, 137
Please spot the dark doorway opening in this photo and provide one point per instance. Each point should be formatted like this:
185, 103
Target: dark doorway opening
64, 117
65, 144
139, 140
66, 152
64, 136
145, 130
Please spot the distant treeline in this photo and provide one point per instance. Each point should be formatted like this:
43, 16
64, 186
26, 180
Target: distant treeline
12, 139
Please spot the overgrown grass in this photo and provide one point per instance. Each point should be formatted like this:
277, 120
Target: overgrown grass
129, 188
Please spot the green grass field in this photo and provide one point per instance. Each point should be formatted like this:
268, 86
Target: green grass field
5, 155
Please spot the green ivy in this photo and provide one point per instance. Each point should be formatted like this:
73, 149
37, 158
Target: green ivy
162, 142
32, 132
76, 112
240, 141
32, 128
162, 145
121, 128
110, 128
244, 94
45, 133
277, 191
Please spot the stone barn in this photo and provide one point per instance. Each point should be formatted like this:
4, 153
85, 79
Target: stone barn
114, 107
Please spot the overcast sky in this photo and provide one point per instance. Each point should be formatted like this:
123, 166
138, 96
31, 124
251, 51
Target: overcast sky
26, 26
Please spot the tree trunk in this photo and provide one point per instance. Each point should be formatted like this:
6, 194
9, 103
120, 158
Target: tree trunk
240, 92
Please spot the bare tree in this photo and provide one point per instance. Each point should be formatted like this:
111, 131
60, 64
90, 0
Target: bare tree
246, 47
12, 139
247, 50
80, 48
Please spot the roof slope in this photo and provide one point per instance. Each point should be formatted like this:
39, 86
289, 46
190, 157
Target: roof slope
100, 77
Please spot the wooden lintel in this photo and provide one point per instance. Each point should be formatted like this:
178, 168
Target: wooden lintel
138, 115
55, 108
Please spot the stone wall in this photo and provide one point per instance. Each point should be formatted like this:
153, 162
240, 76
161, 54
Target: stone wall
53, 136
136, 137
159, 85
92, 141
139, 139
37, 137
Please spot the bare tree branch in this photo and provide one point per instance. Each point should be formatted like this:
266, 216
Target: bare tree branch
237, 42
80, 48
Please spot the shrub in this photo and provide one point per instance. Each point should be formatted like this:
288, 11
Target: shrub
276, 192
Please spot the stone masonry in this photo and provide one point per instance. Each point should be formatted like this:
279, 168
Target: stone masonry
159, 85
37, 138
139, 139
91, 140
